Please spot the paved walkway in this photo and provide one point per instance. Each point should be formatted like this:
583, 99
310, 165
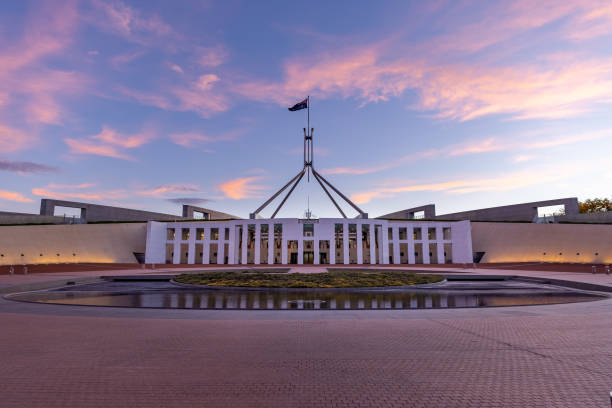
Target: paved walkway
536, 356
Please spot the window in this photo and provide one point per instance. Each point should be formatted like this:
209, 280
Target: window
446, 233
226, 234
431, 233
199, 234
185, 234
170, 234
417, 234
403, 233
214, 234
308, 230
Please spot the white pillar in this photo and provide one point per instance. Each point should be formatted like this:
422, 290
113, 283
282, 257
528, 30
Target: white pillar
396, 247
231, 246
332, 247
257, 244
221, 246
191, 246
176, 258
411, 257
270, 244
440, 245
284, 250
345, 244
315, 243
425, 236
372, 243
206, 246
360, 244
245, 243
385, 244
300, 250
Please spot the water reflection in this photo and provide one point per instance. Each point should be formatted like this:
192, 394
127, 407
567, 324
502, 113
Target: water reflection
302, 300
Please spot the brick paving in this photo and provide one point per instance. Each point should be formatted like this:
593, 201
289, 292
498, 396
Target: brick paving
537, 356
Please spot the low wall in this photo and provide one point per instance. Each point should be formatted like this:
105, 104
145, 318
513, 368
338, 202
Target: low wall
40, 244
528, 242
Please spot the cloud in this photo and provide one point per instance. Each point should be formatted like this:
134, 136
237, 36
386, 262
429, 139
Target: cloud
211, 56
127, 22
190, 139
526, 142
13, 140
25, 167
189, 200
121, 59
502, 182
104, 195
71, 186
27, 85
176, 68
109, 143
241, 188
14, 196
161, 191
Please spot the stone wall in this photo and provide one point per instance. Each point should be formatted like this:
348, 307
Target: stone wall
39, 244
527, 242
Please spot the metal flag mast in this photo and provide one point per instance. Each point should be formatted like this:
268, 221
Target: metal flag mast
308, 168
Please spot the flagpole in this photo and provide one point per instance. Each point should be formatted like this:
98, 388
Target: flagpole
308, 124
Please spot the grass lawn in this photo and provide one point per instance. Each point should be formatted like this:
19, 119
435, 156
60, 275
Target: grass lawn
332, 279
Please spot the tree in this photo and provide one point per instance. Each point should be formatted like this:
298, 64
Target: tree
595, 205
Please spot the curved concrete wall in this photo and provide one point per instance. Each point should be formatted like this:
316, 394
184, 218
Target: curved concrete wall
517, 242
112, 243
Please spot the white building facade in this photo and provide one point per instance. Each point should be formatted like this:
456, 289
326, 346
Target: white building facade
325, 241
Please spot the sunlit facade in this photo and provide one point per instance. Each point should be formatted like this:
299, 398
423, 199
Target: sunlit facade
330, 241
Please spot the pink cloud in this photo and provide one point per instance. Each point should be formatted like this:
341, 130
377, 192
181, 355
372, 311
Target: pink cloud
190, 139
90, 195
14, 196
109, 143
241, 188
211, 56
502, 182
120, 19
162, 191
13, 140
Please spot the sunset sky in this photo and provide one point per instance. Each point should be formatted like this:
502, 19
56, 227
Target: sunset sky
150, 104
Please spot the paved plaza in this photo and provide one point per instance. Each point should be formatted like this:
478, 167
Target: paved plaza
535, 356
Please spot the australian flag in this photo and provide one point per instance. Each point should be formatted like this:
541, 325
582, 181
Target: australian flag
299, 105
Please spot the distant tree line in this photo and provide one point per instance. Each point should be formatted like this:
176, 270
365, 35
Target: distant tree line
595, 205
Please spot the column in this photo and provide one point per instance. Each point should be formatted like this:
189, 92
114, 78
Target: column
440, 244
176, 259
271, 244
372, 243
360, 244
332, 246
410, 232
206, 246
385, 244
232, 244
284, 249
425, 236
315, 242
221, 246
301, 250
345, 244
191, 250
396, 247
245, 243
257, 244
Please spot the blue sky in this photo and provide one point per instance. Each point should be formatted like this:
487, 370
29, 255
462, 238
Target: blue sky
150, 104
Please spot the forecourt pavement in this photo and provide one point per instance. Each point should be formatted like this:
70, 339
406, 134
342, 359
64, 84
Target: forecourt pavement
536, 356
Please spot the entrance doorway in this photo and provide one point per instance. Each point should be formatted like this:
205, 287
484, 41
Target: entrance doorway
293, 259
323, 258
308, 257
